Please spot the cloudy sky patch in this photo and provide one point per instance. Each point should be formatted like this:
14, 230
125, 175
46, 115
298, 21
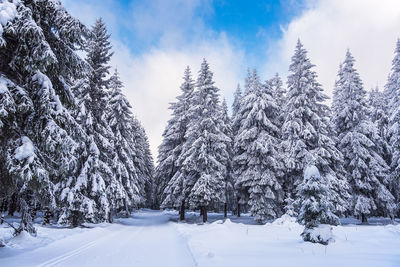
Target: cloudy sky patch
155, 40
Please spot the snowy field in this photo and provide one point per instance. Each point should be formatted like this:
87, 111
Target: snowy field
155, 238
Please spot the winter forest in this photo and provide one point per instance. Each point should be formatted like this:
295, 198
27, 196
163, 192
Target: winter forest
74, 156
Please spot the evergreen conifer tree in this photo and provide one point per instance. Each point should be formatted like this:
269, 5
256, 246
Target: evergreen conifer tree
306, 134
256, 149
315, 206
168, 173
205, 153
40, 140
392, 100
229, 181
236, 101
365, 169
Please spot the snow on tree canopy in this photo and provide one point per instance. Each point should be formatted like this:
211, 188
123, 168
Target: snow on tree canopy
256, 151
359, 143
26, 150
8, 11
307, 137
311, 171
3, 85
74, 161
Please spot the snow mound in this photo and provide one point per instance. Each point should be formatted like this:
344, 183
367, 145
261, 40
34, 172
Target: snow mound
285, 220
23, 240
321, 234
218, 222
228, 222
26, 150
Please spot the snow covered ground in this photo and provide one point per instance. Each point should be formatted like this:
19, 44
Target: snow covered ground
155, 238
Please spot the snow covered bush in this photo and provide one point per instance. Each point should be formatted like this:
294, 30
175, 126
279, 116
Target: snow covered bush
321, 234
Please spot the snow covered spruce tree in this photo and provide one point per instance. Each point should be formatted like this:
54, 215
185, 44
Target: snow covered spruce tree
230, 194
238, 97
40, 137
126, 193
256, 149
306, 134
56, 143
168, 176
275, 85
366, 171
378, 116
392, 99
316, 208
278, 92
236, 100
236, 123
204, 155
144, 164
88, 197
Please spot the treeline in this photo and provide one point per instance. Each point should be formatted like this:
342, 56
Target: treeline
256, 159
69, 143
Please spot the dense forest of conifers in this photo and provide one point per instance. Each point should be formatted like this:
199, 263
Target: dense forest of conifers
255, 160
71, 147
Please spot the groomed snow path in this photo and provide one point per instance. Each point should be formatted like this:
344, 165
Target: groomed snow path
146, 239
157, 239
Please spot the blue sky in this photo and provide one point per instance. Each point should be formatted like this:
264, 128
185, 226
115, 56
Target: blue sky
154, 40
251, 24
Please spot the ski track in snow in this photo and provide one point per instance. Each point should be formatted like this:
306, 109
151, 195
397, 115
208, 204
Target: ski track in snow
156, 238
147, 239
80, 251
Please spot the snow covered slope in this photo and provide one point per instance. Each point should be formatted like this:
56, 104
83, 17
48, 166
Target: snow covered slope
154, 238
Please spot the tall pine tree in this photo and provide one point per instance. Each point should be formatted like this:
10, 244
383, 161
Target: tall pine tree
366, 171
40, 137
169, 179
392, 100
204, 155
306, 132
229, 180
256, 151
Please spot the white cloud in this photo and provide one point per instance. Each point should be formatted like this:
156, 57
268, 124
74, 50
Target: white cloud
152, 80
176, 36
327, 28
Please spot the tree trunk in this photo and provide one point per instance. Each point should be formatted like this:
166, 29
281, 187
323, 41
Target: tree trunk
238, 210
12, 205
110, 217
204, 214
182, 211
4, 205
126, 208
363, 218
201, 211
75, 218
225, 210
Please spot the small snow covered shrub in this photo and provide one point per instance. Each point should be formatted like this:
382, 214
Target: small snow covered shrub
321, 234
316, 207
